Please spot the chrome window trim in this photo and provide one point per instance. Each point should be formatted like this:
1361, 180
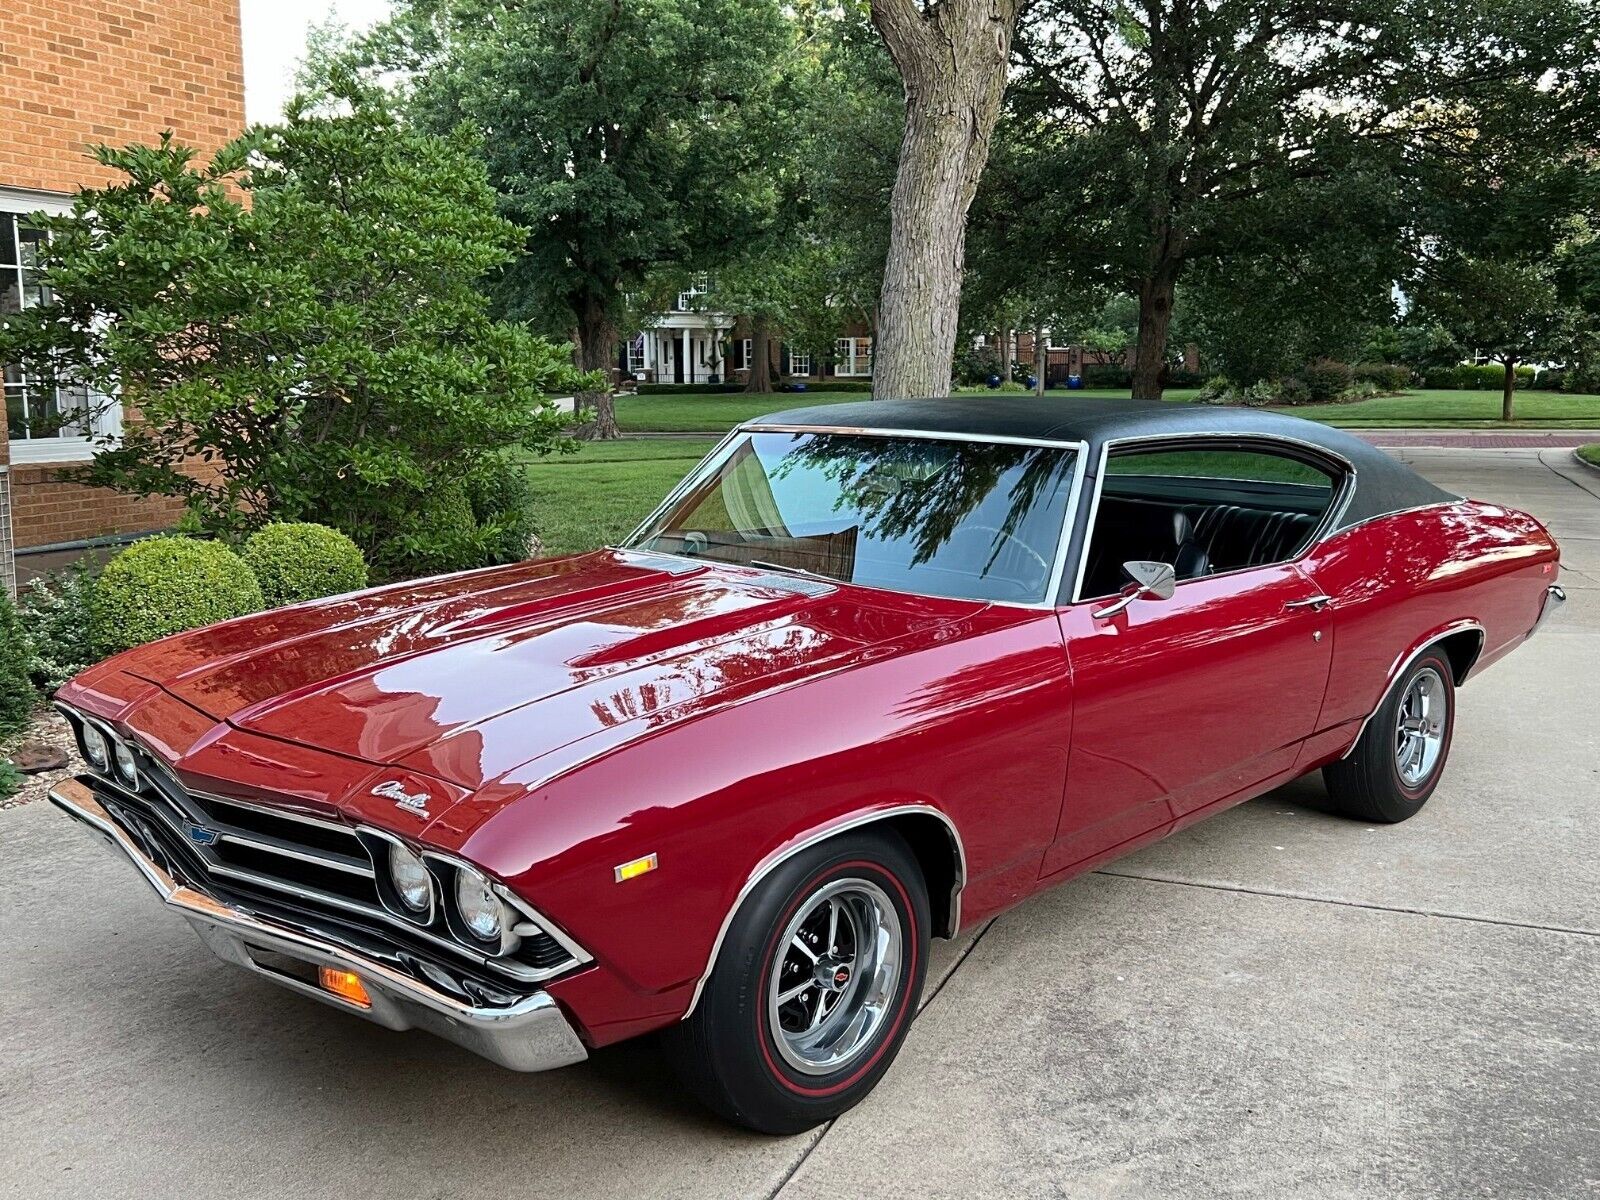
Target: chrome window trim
1336, 509
723, 449
823, 833
1403, 661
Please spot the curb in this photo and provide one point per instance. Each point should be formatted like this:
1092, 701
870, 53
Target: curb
1584, 462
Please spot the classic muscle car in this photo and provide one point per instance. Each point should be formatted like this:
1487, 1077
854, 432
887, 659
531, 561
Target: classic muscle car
871, 674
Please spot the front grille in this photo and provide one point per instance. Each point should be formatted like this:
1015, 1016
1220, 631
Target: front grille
316, 871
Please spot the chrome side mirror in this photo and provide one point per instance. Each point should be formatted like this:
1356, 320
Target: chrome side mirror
1151, 581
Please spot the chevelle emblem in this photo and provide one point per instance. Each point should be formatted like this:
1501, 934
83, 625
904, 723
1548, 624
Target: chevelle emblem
416, 802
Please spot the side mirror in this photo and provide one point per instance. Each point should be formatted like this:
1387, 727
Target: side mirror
1151, 581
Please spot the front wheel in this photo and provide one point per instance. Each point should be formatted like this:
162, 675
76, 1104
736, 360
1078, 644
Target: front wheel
1400, 756
814, 988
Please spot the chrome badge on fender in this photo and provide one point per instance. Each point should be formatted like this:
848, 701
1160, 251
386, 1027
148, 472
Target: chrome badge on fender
416, 802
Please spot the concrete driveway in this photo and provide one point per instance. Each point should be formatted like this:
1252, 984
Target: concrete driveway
1276, 1003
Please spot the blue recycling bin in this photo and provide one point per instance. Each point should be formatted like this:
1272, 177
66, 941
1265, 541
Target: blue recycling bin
1074, 382
993, 381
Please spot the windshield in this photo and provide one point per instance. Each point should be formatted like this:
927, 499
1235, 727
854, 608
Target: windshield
971, 520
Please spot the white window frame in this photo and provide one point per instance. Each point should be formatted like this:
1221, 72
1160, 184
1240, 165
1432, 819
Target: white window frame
797, 357
852, 356
746, 354
107, 417
636, 354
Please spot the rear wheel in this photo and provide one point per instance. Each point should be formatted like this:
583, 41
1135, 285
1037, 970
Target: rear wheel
1400, 756
814, 988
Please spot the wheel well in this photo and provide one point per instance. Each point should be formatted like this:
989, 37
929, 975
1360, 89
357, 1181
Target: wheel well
1462, 649
934, 843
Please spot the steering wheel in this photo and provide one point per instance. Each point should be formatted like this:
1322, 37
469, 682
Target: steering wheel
1044, 567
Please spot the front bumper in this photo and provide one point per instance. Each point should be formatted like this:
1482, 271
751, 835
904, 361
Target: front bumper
531, 1034
1554, 598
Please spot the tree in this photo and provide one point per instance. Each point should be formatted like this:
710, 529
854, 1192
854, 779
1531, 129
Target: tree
1177, 125
1506, 310
321, 352
952, 57
613, 132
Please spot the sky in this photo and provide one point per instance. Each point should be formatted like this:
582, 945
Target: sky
275, 41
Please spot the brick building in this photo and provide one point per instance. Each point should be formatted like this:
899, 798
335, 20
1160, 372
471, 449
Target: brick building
72, 73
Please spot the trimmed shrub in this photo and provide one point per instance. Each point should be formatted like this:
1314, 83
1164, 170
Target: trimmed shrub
17, 696
166, 585
1325, 379
1107, 375
1180, 378
1293, 391
300, 560
688, 389
1386, 377
1470, 377
56, 614
441, 535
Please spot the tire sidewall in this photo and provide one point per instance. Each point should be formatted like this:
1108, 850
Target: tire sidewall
768, 1091
1415, 798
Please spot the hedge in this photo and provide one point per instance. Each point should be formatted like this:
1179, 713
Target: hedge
1469, 377
300, 560
17, 695
166, 585
725, 389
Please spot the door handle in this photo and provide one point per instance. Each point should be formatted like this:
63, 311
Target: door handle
1315, 602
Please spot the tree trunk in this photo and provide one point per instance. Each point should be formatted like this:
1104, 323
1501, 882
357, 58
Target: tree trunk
1156, 292
1005, 355
1508, 396
595, 352
1041, 359
760, 376
952, 58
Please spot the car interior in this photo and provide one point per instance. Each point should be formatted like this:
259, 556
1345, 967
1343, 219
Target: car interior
1205, 511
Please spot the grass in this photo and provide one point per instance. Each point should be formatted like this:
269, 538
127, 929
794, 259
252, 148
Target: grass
1590, 453
596, 496
1429, 408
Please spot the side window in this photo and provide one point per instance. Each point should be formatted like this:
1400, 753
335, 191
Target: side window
1205, 510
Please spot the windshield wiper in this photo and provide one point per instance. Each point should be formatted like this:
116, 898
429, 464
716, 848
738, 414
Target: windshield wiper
772, 566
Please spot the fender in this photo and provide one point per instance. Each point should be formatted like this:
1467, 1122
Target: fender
821, 833
1404, 660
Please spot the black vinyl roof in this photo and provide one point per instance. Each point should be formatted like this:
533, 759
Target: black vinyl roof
1383, 484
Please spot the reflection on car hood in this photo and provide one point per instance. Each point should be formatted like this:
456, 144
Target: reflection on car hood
466, 677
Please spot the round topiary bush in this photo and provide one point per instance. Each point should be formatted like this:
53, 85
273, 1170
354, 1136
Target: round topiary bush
300, 560
167, 585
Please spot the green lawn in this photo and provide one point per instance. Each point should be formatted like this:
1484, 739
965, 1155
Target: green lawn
1590, 453
596, 496
700, 414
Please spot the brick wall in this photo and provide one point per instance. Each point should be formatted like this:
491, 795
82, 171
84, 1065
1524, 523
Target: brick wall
75, 72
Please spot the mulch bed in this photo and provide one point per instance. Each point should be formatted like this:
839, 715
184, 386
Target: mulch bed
49, 728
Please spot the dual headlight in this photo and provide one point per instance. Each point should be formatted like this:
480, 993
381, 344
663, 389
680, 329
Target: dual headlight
480, 910
108, 754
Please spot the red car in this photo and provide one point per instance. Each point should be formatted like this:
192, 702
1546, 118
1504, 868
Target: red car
872, 673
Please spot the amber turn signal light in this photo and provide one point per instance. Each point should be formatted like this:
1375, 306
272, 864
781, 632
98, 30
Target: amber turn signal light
346, 985
634, 869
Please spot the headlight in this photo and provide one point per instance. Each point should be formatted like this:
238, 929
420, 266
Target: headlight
480, 909
127, 767
411, 880
95, 750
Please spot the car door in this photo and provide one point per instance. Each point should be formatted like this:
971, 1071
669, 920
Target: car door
1185, 703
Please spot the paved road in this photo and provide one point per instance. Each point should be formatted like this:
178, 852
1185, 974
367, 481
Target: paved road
1274, 1004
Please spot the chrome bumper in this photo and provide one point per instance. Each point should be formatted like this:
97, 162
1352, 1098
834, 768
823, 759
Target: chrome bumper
530, 1034
1554, 598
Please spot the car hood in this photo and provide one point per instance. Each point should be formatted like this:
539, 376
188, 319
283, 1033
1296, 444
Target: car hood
465, 678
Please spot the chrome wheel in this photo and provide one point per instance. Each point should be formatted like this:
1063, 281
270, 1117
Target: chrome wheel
1419, 727
835, 975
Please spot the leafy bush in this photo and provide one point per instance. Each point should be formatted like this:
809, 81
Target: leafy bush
502, 505
1179, 378
689, 389
166, 585
1293, 391
11, 779
299, 560
17, 696
441, 536
56, 614
974, 364
1385, 377
1325, 379
1470, 377
1107, 375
